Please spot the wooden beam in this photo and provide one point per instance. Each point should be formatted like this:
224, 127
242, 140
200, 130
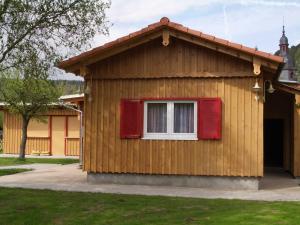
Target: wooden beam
256, 66
84, 70
286, 88
215, 75
166, 37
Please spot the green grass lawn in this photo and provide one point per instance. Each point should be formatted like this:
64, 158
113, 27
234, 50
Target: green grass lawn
24, 206
7, 161
4, 172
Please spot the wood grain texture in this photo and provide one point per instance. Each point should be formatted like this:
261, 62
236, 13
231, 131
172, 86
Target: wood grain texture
179, 59
238, 153
72, 146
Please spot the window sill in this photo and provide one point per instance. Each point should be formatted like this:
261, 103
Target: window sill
170, 137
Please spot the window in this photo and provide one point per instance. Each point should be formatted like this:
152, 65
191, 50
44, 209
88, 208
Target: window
164, 119
170, 120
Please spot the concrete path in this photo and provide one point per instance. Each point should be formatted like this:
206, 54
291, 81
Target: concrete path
70, 178
40, 156
34, 166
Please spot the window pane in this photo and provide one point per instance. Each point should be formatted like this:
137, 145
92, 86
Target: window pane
157, 118
183, 117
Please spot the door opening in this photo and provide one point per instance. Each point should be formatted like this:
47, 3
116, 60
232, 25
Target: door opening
273, 142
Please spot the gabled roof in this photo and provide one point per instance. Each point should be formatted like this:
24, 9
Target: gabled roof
152, 28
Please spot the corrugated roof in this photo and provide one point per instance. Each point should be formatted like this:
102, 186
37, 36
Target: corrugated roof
165, 22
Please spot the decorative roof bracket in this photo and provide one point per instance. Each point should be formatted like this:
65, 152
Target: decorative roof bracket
166, 37
84, 70
256, 66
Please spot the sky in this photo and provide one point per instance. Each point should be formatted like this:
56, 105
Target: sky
254, 23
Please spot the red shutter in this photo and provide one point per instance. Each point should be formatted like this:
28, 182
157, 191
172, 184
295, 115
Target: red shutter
131, 118
209, 118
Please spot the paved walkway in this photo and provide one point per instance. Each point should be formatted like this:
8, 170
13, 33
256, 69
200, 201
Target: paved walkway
41, 156
70, 178
34, 166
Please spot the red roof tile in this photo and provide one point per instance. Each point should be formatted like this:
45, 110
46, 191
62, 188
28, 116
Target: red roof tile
165, 22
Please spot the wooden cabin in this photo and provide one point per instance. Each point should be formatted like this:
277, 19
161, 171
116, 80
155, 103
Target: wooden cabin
55, 133
168, 105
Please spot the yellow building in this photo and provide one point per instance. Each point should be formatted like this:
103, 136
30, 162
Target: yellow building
57, 133
171, 105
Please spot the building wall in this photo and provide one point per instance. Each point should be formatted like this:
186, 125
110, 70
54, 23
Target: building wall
296, 153
39, 134
238, 153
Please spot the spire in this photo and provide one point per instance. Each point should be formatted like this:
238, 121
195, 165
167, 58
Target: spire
283, 30
288, 71
283, 42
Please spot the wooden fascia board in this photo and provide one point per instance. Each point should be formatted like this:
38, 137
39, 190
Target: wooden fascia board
77, 68
123, 47
285, 88
222, 49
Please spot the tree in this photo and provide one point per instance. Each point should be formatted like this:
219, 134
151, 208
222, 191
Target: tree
33, 36
28, 96
1, 120
51, 28
28, 92
297, 62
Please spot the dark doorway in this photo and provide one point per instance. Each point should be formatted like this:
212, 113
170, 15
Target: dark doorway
273, 142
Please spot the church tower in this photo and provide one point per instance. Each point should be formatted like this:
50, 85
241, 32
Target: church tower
283, 44
288, 73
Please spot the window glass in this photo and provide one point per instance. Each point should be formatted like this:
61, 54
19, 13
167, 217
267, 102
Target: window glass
157, 118
183, 117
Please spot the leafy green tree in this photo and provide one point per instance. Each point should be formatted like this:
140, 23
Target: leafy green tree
34, 96
33, 36
1, 120
297, 62
50, 28
27, 92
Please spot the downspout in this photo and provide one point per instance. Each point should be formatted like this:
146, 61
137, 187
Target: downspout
80, 132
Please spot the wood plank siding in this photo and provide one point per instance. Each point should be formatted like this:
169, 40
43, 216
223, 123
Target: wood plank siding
72, 146
238, 153
37, 142
180, 70
296, 153
179, 59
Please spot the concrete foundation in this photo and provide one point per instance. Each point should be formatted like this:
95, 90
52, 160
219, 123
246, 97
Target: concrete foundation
211, 182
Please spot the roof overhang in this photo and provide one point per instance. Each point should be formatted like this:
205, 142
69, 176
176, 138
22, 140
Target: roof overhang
4, 106
293, 88
165, 29
72, 98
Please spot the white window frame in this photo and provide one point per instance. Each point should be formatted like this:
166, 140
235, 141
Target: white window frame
170, 135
